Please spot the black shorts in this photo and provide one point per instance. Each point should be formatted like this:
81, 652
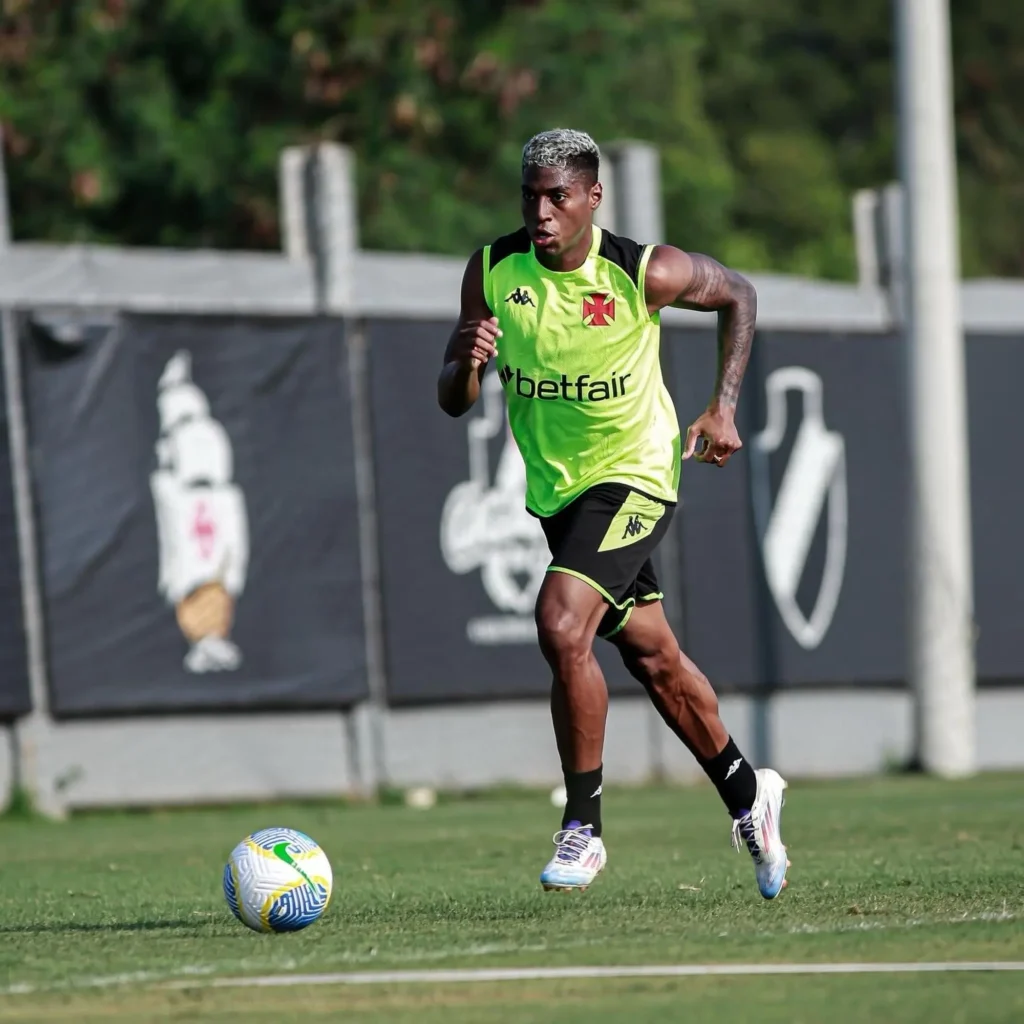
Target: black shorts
606, 537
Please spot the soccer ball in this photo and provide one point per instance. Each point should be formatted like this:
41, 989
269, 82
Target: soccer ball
277, 880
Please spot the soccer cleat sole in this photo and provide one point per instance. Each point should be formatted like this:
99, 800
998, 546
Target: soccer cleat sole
565, 887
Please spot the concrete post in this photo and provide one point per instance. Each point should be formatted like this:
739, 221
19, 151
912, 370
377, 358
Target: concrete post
941, 668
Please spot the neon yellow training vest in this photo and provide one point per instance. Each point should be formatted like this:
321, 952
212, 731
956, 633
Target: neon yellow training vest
579, 362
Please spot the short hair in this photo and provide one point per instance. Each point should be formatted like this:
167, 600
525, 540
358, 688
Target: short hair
563, 148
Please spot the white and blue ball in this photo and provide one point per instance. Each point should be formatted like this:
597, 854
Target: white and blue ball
278, 880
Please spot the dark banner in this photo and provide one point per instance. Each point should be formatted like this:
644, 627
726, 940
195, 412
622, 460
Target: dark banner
995, 369
14, 691
461, 559
196, 497
793, 554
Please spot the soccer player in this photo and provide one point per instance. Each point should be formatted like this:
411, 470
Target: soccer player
569, 315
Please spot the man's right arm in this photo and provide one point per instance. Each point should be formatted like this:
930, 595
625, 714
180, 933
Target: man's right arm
472, 344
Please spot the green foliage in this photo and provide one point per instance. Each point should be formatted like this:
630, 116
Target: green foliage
159, 122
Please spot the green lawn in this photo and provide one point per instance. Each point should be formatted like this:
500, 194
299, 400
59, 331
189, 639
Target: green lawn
891, 869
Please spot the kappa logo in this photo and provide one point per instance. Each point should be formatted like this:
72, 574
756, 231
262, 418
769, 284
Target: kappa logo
202, 526
521, 297
634, 527
814, 477
485, 526
598, 309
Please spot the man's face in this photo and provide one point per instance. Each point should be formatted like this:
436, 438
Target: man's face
558, 206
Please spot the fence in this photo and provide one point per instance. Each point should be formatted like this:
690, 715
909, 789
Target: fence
269, 564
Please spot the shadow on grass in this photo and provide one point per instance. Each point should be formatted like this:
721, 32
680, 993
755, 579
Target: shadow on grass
82, 927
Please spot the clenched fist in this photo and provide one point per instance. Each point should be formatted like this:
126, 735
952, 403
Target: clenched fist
475, 342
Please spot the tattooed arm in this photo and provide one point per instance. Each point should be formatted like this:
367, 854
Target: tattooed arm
694, 281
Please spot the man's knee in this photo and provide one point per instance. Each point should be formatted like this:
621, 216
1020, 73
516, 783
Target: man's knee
563, 631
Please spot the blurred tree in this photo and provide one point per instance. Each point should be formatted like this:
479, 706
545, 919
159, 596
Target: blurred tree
145, 121
802, 91
988, 44
160, 121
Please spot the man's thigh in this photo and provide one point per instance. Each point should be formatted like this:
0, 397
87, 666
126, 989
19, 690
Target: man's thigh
605, 539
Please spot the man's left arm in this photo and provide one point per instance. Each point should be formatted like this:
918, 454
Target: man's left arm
695, 281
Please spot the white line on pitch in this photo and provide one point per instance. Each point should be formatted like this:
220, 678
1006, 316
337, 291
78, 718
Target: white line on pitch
290, 964
563, 973
287, 964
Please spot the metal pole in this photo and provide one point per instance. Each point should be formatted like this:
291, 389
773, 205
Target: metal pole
368, 732
865, 236
638, 205
941, 595
31, 733
319, 222
323, 178
5, 207
291, 202
336, 210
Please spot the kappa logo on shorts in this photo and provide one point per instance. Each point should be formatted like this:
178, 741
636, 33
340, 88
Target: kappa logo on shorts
633, 527
635, 519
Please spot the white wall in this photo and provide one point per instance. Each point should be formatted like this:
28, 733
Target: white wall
212, 759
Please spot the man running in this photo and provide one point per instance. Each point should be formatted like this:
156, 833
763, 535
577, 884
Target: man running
569, 314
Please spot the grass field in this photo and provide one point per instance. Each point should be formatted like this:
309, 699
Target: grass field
102, 912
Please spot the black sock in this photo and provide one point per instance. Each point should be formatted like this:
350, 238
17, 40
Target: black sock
733, 777
583, 798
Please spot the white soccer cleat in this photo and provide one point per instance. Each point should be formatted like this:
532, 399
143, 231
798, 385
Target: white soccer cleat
579, 856
760, 829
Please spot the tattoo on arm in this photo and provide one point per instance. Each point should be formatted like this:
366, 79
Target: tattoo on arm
714, 287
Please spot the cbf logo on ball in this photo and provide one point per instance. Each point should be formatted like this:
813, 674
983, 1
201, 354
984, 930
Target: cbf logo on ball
485, 526
201, 520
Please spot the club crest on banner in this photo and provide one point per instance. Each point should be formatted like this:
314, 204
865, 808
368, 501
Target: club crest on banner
812, 485
202, 525
485, 526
